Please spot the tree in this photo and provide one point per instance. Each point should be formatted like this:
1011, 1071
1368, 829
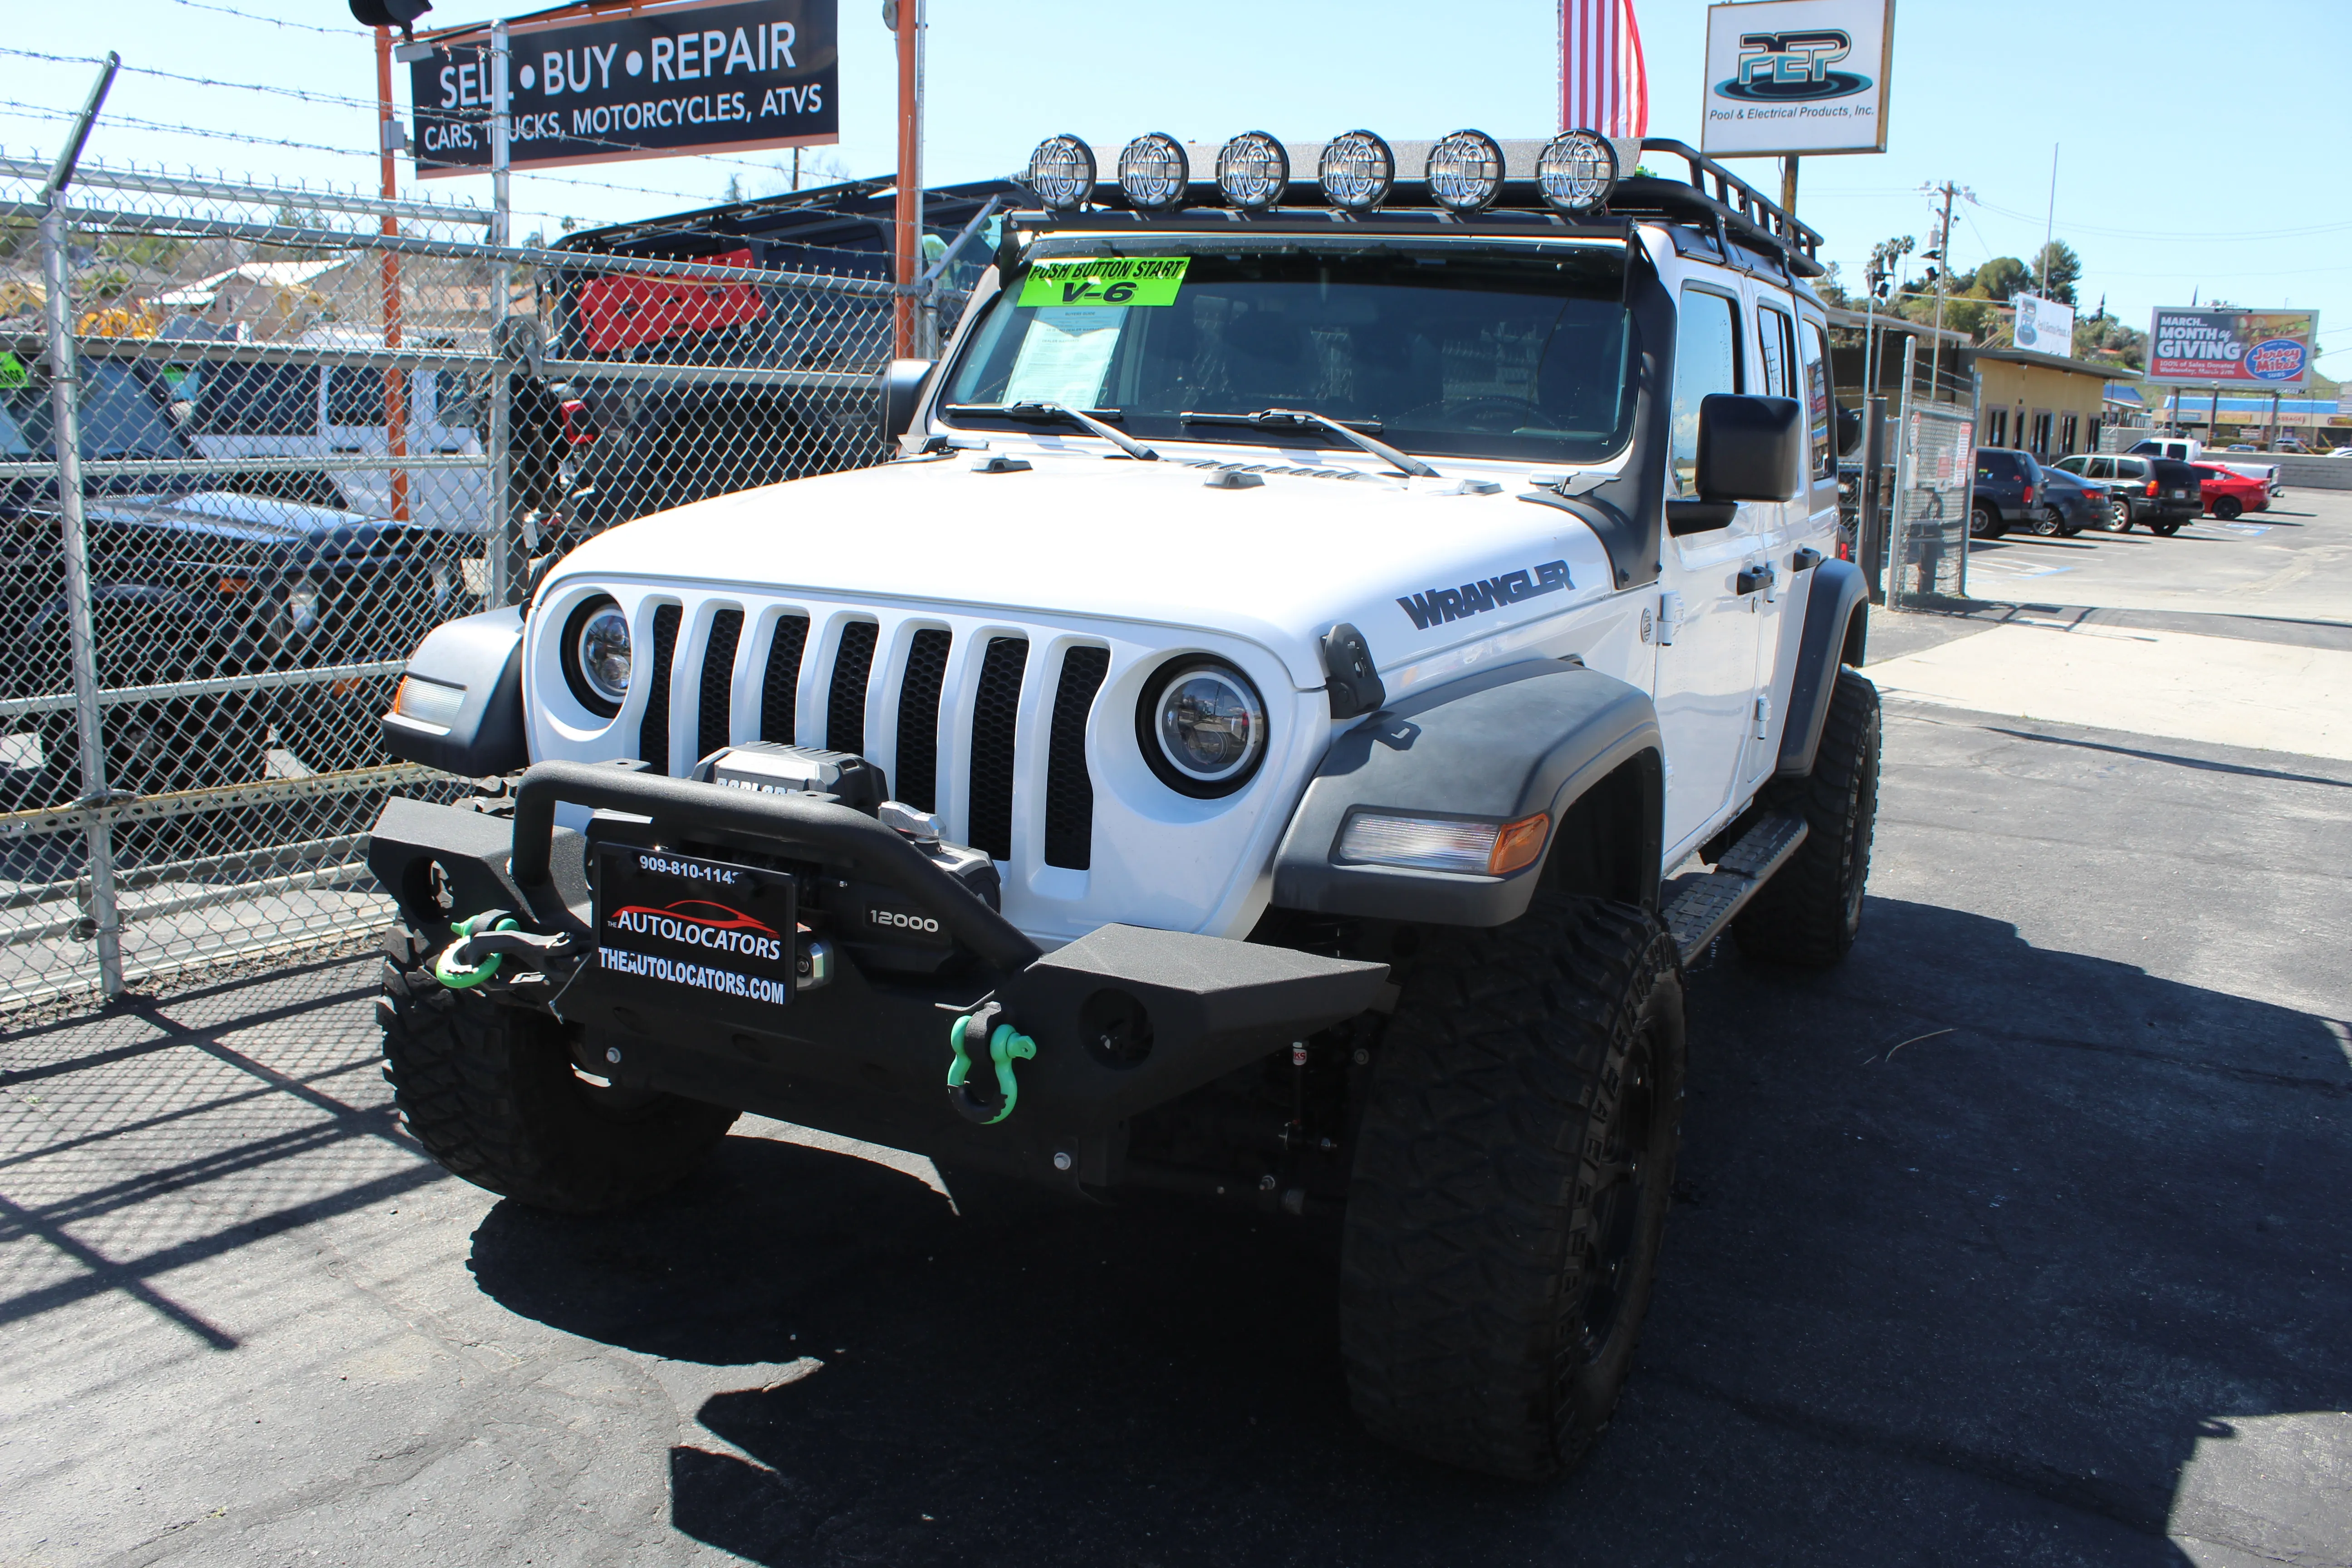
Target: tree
2057, 268
2002, 277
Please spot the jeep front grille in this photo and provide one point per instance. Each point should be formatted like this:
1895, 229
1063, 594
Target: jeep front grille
946, 732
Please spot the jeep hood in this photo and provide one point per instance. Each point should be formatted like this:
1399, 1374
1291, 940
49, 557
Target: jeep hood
1152, 543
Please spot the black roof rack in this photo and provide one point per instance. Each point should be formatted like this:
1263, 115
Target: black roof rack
1712, 198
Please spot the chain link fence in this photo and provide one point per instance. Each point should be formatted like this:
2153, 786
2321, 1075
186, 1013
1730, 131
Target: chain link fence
1935, 476
255, 442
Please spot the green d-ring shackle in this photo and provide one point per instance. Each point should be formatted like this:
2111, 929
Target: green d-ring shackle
1006, 1047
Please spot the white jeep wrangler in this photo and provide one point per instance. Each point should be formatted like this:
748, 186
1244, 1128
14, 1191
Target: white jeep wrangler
1244, 744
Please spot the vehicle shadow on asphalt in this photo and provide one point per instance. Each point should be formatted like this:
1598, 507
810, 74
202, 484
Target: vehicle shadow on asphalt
1976, 1245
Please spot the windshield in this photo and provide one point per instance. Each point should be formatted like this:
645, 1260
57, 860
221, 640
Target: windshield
1436, 349
119, 418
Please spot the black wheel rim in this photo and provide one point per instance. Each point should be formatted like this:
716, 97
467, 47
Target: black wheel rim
1613, 1258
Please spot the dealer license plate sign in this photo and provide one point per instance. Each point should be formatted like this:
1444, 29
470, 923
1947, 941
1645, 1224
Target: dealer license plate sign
695, 934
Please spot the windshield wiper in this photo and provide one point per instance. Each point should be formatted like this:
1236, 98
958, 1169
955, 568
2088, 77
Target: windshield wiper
1087, 422
1301, 419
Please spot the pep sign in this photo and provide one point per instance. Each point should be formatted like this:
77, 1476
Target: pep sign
721, 76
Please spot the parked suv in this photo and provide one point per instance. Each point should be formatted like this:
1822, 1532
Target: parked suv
187, 584
2161, 492
2006, 493
1248, 744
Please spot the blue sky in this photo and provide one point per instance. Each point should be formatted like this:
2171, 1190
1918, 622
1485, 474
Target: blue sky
2190, 157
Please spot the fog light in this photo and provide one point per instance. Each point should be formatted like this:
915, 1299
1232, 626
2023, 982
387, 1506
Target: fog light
1577, 170
1061, 173
1437, 844
1154, 171
1254, 171
1356, 171
1465, 172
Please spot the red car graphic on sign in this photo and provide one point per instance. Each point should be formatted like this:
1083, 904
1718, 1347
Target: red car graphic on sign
735, 920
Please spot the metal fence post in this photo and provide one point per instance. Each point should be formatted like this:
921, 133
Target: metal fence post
1898, 533
65, 398
498, 443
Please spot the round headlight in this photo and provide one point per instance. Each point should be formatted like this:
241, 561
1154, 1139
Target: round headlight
1154, 171
1253, 170
596, 655
1203, 726
1061, 173
1577, 170
1356, 171
1465, 172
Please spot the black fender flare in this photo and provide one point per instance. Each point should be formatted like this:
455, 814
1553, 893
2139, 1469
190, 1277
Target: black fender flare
482, 655
1496, 746
1837, 622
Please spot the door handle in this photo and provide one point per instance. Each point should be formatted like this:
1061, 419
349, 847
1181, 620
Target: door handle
1756, 577
1805, 559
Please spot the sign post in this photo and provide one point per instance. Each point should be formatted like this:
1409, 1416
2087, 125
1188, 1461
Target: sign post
908, 210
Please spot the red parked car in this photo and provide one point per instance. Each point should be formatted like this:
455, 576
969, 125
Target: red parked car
2228, 494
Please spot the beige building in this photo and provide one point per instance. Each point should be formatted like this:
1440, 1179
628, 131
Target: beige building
2040, 403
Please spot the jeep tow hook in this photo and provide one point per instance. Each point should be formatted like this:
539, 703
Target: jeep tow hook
977, 1036
487, 940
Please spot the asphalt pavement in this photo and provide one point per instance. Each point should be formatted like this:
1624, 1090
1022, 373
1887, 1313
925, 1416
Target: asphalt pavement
2020, 1237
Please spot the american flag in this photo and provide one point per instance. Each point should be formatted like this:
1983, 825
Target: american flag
1603, 86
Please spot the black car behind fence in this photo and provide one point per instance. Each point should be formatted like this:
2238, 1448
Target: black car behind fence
304, 443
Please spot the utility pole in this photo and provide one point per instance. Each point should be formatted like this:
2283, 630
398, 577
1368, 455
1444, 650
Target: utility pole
906, 17
2050, 226
396, 383
1943, 253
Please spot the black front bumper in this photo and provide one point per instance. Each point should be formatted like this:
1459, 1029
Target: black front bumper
1123, 1020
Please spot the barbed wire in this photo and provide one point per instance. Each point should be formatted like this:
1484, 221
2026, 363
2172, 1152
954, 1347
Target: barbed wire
275, 21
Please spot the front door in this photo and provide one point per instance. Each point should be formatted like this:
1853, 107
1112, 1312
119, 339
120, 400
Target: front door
1706, 672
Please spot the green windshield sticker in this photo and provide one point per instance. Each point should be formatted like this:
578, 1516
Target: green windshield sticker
1106, 281
13, 372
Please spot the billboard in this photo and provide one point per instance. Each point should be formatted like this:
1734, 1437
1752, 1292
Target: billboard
1796, 76
722, 76
2045, 326
2209, 345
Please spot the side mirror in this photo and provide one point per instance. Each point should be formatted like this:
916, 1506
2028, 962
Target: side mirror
1750, 448
902, 391
1849, 431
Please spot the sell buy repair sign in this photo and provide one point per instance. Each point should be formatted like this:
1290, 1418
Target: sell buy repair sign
1104, 281
725, 76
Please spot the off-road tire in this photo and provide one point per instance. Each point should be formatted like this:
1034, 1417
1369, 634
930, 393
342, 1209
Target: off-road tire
1510, 1188
490, 1093
1811, 911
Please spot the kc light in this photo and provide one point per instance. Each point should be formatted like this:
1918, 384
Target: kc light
1465, 172
596, 655
1577, 170
1061, 173
1204, 728
1356, 171
1154, 171
1443, 844
1253, 170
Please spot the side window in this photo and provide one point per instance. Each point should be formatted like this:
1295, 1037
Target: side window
1819, 412
1707, 361
1772, 337
355, 395
2102, 468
